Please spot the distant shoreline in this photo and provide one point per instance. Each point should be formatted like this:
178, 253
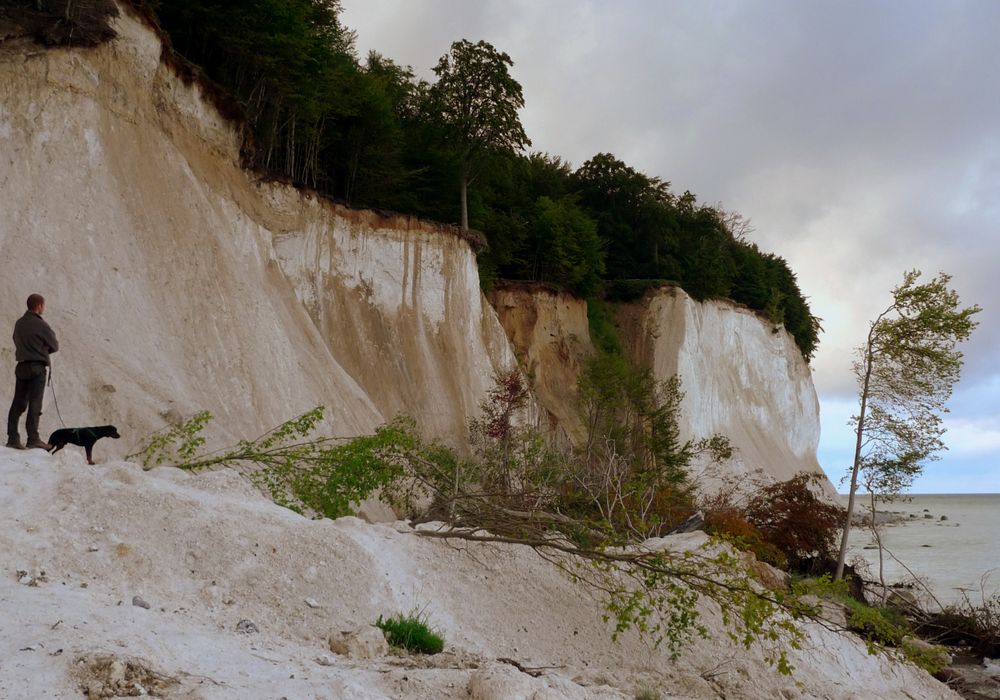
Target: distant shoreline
925, 495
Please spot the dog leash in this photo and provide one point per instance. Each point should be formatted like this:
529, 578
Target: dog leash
55, 401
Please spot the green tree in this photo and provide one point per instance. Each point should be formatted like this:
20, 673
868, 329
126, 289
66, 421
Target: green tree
371, 142
905, 371
477, 100
635, 215
632, 474
707, 268
565, 246
289, 63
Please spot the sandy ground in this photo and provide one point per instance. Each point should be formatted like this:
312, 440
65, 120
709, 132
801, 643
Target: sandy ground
206, 552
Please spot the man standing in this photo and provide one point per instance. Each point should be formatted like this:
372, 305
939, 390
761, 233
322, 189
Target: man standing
34, 340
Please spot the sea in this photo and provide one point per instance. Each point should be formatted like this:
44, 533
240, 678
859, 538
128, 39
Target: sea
951, 542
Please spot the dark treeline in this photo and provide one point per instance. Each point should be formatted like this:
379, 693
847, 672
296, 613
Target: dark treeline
368, 133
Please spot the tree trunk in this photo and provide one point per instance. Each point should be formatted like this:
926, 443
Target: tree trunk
464, 197
878, 541
857, 460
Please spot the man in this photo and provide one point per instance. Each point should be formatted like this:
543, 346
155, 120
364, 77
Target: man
34, 340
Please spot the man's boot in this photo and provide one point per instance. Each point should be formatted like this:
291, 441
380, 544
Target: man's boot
39, 444
14, 442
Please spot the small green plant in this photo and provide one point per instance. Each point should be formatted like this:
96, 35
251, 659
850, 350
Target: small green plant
930, 657
410, 632
647, 694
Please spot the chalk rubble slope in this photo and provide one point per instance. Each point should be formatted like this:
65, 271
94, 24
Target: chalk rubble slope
206, 551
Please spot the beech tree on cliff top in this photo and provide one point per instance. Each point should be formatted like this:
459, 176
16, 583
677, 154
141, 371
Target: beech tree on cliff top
905, 370
476, 100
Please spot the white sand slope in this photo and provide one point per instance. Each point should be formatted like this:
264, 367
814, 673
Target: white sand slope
206, 552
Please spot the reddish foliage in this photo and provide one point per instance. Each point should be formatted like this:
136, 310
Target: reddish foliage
794, 519
730, 521
508, 395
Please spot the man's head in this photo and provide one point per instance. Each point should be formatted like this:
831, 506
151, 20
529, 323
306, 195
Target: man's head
36, 303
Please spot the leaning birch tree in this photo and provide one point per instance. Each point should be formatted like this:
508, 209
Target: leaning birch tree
905, 371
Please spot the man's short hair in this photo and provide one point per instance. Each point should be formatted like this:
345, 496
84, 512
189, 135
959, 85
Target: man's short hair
35, 301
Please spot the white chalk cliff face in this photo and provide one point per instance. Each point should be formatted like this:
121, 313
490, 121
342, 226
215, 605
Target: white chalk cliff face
398, 304
178, 282
743, 377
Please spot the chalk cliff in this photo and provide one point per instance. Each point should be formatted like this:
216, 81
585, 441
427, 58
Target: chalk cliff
742, 377
178, 281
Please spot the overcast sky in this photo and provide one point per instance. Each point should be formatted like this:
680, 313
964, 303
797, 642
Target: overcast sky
862, 139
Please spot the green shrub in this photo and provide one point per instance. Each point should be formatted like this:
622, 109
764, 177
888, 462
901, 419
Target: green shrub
411, 632
879, 626
930, 657
603, 332
884, 626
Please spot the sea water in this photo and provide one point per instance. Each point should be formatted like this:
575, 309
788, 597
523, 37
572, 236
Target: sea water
951, 542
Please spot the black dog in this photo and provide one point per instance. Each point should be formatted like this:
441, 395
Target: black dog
84, 437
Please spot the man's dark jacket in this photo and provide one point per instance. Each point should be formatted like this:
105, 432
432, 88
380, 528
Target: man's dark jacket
33, 339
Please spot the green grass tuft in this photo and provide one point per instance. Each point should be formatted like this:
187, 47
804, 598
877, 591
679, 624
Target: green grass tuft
410, 632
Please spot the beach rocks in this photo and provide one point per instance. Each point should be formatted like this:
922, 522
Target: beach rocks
325, 660
972, 682
830, 611
768, 576
497, 681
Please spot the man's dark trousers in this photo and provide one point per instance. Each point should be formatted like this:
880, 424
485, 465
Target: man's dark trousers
28, 393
